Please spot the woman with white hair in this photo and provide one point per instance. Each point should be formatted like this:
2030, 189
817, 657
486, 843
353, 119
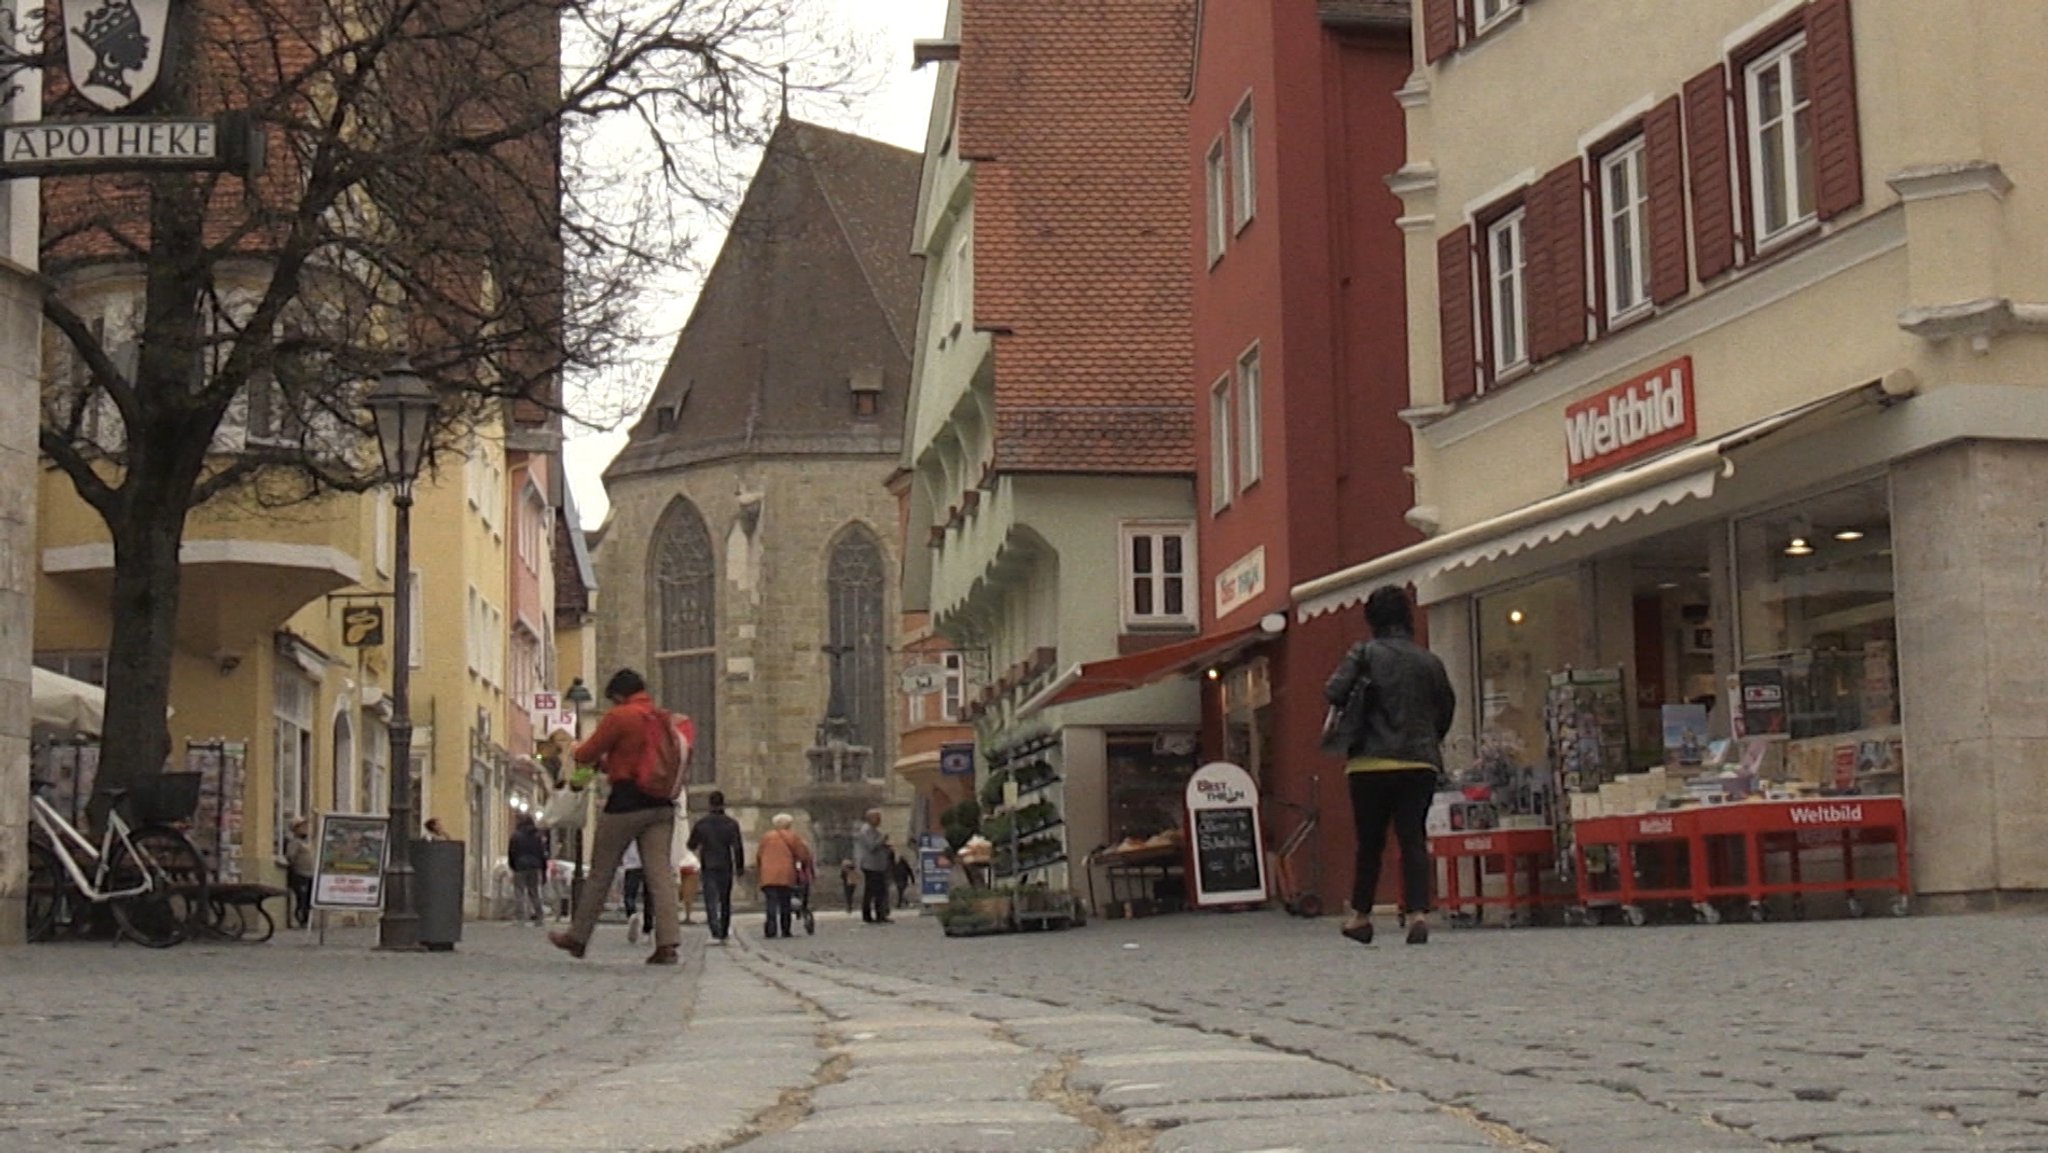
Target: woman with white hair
784, 860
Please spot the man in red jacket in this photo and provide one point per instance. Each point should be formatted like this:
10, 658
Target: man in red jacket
621, 746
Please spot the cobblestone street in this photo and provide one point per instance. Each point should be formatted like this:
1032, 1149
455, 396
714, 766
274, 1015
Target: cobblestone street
1176, 1035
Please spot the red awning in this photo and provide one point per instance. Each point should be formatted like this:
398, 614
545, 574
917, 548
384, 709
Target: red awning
1122, 674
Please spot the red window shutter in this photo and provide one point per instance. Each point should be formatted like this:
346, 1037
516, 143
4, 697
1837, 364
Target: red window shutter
1831, 72
1439, 29
1555, 228
1713, 178
1664, 167
1454, 314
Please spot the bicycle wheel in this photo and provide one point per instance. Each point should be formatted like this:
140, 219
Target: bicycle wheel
154, 919
46, 885
170, 850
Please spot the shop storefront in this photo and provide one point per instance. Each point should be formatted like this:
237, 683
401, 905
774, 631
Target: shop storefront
1735, 621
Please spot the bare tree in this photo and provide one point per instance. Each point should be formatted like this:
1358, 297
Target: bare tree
423, 192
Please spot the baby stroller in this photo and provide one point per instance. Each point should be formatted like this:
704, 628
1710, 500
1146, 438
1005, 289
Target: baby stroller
805, 874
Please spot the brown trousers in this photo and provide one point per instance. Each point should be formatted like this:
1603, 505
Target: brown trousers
653, 830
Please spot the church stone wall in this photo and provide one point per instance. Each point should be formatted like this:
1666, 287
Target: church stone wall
771, 607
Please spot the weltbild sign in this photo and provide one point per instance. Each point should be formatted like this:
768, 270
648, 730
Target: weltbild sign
1628, 422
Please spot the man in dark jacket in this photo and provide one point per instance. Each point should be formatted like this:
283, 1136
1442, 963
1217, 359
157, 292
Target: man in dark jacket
1397, 703
527, 857
721, 856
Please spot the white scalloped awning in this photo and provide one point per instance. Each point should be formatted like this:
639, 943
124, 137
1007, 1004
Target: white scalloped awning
1689, 474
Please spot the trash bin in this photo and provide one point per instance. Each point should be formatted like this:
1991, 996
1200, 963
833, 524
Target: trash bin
437, 887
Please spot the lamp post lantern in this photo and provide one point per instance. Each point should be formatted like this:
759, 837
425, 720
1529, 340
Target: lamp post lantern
404, 409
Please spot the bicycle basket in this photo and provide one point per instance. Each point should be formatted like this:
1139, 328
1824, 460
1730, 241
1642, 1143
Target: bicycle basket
165, 798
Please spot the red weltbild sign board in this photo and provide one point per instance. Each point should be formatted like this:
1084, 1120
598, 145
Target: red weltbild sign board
1640, 416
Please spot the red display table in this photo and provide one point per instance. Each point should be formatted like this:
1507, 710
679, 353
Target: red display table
1719, 853
1520, 856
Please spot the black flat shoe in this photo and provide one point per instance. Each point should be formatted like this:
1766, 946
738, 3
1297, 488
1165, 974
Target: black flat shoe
1359, 933
1418, 932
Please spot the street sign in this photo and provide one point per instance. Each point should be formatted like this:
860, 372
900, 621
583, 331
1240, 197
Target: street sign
921, 680
956, 760
934, 870
348, 861
546, 702
362, 626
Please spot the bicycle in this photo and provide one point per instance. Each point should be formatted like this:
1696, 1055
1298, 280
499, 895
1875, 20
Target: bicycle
150, 876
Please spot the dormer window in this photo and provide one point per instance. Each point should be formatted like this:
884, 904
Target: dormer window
665, 418
866, 385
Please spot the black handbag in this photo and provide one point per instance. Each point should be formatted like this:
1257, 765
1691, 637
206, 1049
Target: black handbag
1343, 722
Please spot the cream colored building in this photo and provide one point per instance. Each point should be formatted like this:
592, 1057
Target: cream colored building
1728, 358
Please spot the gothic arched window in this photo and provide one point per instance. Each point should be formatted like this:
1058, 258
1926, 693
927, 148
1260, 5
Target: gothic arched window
853, 587
685, 616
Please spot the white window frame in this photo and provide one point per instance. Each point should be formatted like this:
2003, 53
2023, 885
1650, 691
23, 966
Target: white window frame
1244, 178
1627, 219
473, 629
953, 696
1780, 61
1251, 394
1490, 14
1159, 532
1216, 170
417, 642
380, 527
960, 285
293, 703
1507, 323
1222, 445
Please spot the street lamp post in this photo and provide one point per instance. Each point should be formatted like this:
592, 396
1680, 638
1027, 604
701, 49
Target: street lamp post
579, 699
404, 409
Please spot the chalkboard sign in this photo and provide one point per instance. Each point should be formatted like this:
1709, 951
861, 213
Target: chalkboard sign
1224, 837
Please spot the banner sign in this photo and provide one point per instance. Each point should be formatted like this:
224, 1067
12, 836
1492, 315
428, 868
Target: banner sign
1223, 834
956, 760
362, 626
934, 870
348, 862
113, 144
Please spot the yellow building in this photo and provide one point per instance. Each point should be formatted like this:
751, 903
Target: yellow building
267, 664
1727, 359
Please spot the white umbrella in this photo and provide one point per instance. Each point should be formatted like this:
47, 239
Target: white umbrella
60, 702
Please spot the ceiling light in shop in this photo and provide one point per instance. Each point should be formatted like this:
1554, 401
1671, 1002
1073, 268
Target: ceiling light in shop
1215, 674
1799, 547
1667, 586
1849, 534
1515, 616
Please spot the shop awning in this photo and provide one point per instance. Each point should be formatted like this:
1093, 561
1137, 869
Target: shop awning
1122, 674
1689, 474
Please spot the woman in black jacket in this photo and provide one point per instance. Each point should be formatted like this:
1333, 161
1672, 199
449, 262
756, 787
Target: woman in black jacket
1396, 704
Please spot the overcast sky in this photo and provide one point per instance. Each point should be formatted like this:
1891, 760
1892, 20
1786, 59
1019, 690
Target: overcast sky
896, 113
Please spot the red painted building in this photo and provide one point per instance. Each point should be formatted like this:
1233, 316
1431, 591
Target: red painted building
1300, 367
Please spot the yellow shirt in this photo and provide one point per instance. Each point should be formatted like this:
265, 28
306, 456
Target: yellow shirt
1382, 765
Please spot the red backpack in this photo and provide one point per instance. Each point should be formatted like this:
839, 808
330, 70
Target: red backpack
666, 767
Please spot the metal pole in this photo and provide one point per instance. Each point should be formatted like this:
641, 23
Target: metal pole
399, 928
576, 881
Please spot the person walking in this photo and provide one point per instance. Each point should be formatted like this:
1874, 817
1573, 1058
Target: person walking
721, 856
527, 856
298, 872
783, 859
871, 849
1394, 704
904, 876
849, 880
640, 752
638, 901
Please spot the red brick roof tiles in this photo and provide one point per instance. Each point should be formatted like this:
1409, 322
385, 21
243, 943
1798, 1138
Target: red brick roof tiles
1074, 115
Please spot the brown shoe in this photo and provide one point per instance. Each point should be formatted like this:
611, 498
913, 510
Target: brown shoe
664, 955
567, 944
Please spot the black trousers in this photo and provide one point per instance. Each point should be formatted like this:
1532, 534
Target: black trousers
1400, 797
635, 887
850, 890
717, 902
302, 899
874, 901
778, 898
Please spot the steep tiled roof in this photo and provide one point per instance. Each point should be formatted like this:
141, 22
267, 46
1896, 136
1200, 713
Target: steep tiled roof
815, 286
1074, 117
1389, 12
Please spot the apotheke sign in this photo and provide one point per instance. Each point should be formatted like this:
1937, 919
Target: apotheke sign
1630, 421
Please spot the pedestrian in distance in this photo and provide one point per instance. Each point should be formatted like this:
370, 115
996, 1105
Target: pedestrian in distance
849, 879
298, 872
784, 860
527, 856
633, 889
1392, 704
434, 831
721, 856
904, 876
643, 757
871, 849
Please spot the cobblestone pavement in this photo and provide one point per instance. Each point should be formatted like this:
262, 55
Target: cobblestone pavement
1921, 1034
291, 1046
